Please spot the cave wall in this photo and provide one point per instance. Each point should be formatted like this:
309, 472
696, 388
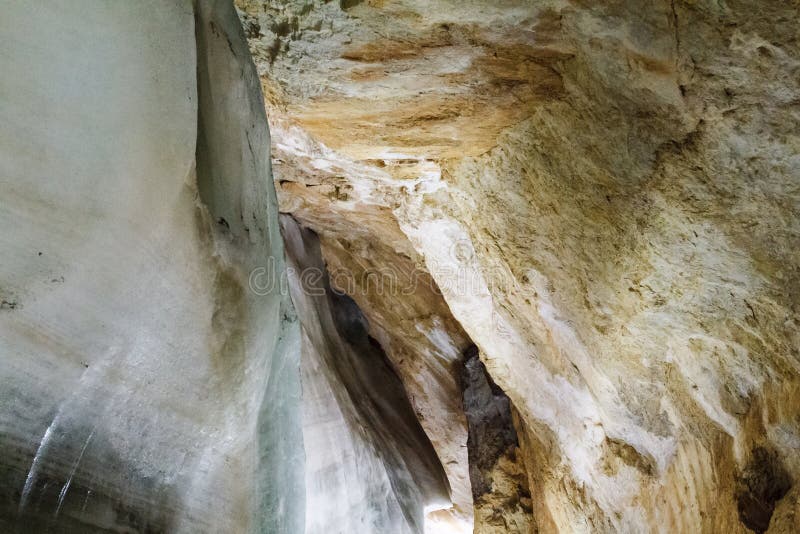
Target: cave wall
369, 258
156, 377
144, 387
641, 239
370, 465
606, 196
602, 196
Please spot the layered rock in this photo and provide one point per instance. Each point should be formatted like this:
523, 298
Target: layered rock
606, 196
602, 197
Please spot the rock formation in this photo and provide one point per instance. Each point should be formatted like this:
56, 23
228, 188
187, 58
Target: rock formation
499, 481
542, 266
606, 196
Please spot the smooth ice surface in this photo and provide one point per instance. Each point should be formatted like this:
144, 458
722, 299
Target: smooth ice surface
369, 465
143, 387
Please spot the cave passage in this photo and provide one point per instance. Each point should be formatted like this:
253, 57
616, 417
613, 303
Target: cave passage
399, 267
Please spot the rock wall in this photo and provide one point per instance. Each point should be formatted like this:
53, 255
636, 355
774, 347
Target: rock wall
641, 238
155, 375
606, 196
602, 196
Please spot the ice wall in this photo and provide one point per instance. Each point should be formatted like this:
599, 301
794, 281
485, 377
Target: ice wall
369, 465
143, 386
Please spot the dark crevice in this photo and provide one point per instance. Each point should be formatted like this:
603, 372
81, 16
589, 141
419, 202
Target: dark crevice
500, 485
491, 429
762, 483
348, 4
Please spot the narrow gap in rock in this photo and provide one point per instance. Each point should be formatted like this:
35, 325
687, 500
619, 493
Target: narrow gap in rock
502, 499
763, 482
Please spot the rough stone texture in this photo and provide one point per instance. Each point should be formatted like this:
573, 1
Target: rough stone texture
602, 196
607, 196
502, 500
507, 508
424, 78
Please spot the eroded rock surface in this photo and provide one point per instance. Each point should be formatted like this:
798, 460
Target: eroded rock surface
606, 195
602, 196
155, 376
497, 472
